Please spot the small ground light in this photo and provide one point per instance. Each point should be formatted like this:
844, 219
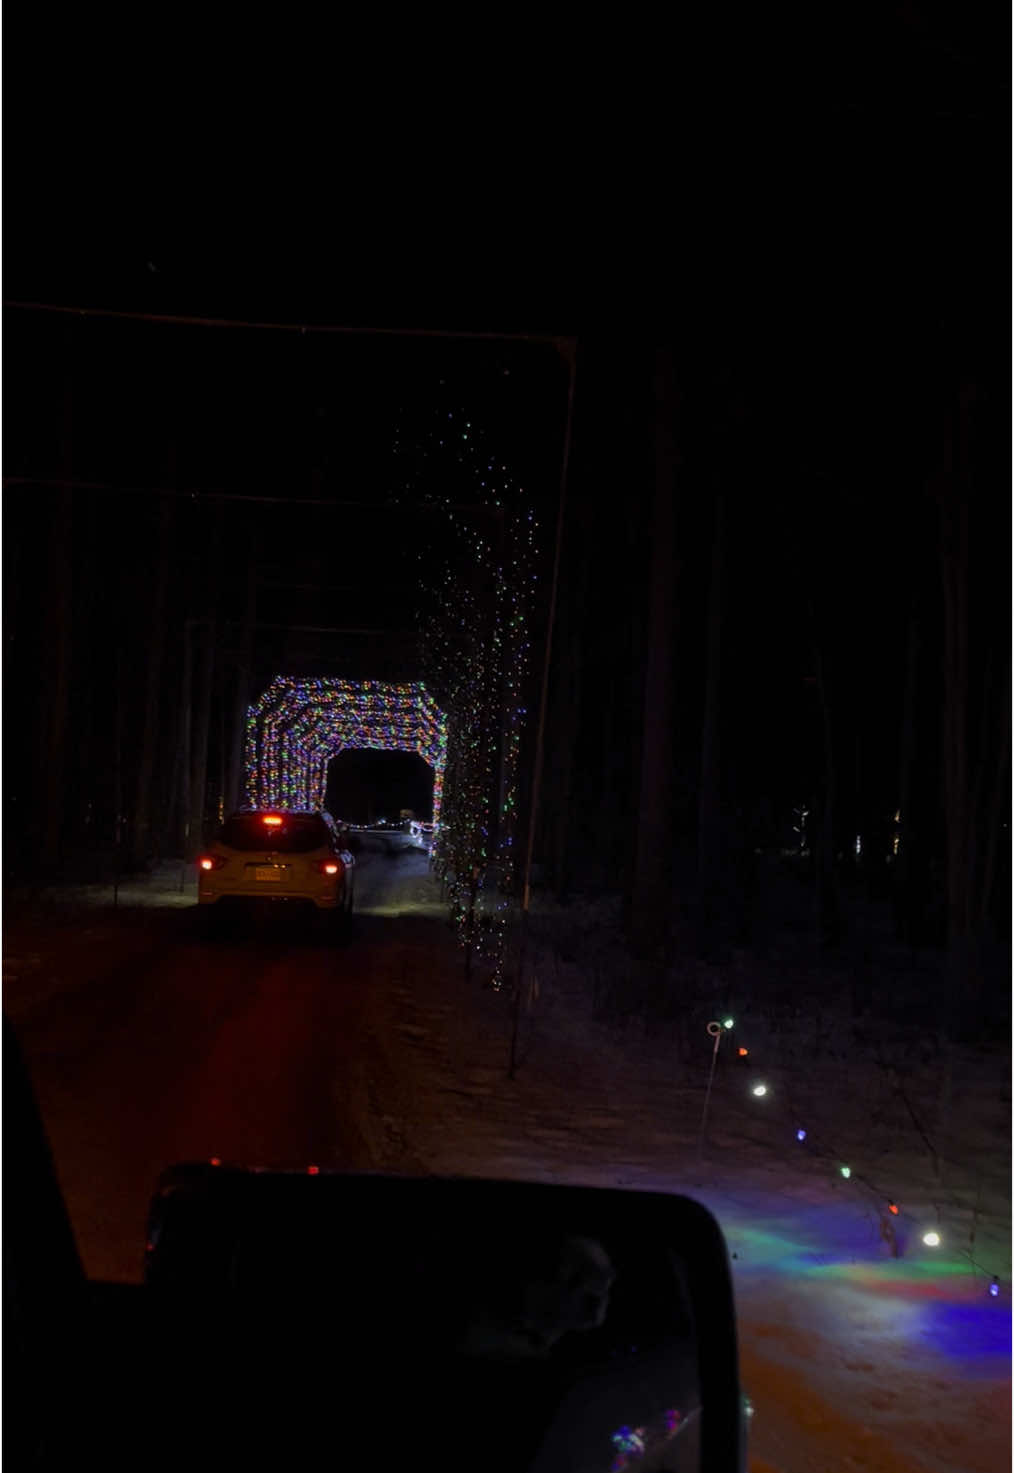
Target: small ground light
994, 1287
759, 1089
727, 1022
932, 1240
742, 1052
893, 1208
800, 1135
846, 1172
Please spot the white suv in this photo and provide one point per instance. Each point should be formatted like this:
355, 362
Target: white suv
277, 855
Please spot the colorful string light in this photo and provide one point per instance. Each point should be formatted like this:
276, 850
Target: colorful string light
474, 617
298, 725
889, 1208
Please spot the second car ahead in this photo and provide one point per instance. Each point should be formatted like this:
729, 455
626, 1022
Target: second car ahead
276, 856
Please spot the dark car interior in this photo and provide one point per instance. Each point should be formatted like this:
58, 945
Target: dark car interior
376, 1321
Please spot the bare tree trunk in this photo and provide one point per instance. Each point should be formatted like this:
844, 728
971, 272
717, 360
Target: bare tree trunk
118, 816
828, 900
952, 505
202, 732
173, 803
200, 726
608, 826
709, 805
633, 663
906, 830
186, 737
652, 888
568, 684
141, 836
244, 678
222, 759
59, 645
996, 802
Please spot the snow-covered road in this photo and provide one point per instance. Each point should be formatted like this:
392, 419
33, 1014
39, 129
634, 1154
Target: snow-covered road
148, 1045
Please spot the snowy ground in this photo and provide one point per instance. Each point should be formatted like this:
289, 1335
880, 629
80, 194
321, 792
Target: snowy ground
854, 1358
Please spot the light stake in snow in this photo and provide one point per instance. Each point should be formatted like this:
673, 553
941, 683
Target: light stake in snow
994, 1287
889, 1235
800, 1135
715, 1031
760, 1089
846, 1172
892, 1207
932, 1240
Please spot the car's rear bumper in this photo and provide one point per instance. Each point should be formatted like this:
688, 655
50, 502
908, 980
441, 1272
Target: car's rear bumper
331, 900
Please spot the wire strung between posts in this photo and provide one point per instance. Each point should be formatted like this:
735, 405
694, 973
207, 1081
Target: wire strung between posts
300, 328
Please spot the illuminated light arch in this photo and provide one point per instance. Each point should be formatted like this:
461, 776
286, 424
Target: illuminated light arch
298, 725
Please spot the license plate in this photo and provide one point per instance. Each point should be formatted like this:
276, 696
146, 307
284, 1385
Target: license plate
267, 872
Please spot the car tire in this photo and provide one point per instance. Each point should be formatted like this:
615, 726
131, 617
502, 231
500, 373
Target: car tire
334, 924
209, 923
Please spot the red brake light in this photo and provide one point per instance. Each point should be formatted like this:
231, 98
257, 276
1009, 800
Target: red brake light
272, 820
211, 861
329, 866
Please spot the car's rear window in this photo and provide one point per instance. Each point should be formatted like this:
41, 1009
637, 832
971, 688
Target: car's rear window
296, 834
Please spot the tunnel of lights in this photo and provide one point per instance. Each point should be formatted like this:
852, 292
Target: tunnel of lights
298, 725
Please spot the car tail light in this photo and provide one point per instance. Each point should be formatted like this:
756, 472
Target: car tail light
211, 861
329, 867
